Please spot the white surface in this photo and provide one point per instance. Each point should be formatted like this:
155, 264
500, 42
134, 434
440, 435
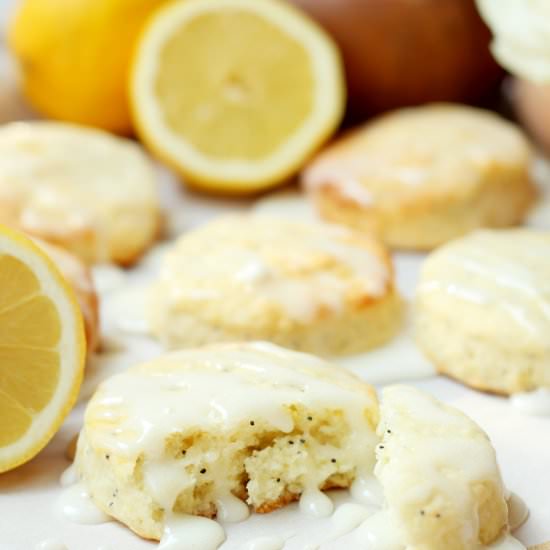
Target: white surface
28, 494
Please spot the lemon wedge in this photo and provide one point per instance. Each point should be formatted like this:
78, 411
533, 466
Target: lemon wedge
42, 349
235, 95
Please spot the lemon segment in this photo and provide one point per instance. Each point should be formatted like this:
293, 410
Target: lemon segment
235, 94
42, 349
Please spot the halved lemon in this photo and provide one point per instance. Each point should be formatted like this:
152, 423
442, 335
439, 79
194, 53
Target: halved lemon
42, 349
235, 94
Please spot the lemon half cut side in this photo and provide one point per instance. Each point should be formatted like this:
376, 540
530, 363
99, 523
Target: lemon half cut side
42, 349
235, 94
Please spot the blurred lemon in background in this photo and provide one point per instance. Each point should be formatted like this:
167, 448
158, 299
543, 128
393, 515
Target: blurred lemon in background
235, 94
74, 57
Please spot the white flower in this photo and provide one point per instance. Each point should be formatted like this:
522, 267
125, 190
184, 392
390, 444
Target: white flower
521, 30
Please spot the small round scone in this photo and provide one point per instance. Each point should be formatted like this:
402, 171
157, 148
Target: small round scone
439, 474
303, 285
483, 310
78, 275
419, 177
194, 430
83, 189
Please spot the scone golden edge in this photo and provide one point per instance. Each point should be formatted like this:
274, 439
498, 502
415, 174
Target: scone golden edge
251, 424
195, 428
303, 285
482, 310
419, 177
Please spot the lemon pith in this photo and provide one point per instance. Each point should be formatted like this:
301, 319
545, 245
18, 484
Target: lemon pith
42, 349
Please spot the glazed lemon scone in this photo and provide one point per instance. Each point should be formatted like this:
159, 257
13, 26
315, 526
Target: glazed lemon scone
439, 474
483, 310
421, 176
83, 189
303, 285
77, 274
194, 430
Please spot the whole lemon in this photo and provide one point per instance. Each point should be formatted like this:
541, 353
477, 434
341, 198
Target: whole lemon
75, 56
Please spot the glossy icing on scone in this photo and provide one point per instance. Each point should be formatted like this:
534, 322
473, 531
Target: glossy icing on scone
195, 429
483, 310
419, 177
80, 188
304, 285
439, 474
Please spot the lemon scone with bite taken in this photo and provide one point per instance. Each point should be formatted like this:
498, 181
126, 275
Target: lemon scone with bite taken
85, 190
202, 431
78, 275
303, 285
483, 310
439, 475
421, 176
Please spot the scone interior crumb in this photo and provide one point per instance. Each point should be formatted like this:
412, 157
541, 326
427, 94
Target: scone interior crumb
266, 467
263, 466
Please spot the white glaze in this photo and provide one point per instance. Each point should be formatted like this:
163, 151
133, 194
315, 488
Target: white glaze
149, 402
351, 188
68, 477
379, 532
231, 509
315, 503
424, 439
265, 543
507, 542
183, 532
397, 361
76, 505
302, 268
347, 517
50, 544
103, 178
503, 270
345, 177
517, 511
134, 413
366, 489
535, 403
